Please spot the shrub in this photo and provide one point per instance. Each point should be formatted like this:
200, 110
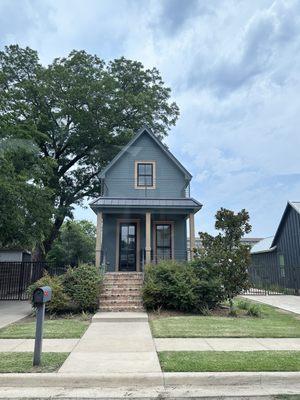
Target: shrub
243, 305
254, 310
60, 301
82, 284
180, 286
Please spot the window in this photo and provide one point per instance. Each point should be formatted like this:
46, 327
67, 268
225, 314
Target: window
163, 238
144, 175
281, 265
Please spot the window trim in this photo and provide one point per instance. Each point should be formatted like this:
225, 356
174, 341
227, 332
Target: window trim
136, 163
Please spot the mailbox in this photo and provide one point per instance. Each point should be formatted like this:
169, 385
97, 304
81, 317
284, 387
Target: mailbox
42, 295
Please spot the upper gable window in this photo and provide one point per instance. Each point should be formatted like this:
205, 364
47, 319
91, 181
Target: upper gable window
145, 174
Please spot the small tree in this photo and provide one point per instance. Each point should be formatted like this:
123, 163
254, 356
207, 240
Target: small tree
226, 254
75, 243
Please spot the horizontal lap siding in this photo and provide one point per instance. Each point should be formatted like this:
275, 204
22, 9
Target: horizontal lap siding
170, 180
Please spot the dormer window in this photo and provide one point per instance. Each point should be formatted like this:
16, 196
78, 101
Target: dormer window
145, 174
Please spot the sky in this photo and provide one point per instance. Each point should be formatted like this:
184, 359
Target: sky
234, 70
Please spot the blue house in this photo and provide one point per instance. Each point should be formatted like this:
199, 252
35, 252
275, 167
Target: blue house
145, 204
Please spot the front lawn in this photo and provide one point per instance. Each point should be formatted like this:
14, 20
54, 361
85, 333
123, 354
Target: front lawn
229, 361
22, 362
273, 323
53, 329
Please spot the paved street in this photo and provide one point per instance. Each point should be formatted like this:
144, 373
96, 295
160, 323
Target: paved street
11, 311
288, 303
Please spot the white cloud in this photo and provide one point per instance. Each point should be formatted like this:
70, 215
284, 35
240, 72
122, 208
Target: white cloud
234, 70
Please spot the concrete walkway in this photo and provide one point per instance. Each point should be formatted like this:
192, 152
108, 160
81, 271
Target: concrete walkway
49, 345
285, 302
166, 344
227, 344
113, 345
11, 311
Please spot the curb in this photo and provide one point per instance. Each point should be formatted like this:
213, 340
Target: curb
197, 379
231, 378
80, 380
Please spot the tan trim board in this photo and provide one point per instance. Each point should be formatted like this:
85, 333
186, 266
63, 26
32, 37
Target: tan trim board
138, 241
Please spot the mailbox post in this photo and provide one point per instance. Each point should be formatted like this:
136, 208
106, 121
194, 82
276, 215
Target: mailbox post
41, 296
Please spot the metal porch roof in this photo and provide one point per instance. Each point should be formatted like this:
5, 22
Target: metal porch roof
115, 202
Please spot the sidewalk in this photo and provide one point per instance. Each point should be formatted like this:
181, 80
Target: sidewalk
166, 344
11, 311
227, 344
49, 345
285, 302
112, 345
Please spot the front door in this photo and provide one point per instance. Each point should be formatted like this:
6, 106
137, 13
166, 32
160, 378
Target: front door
127, 246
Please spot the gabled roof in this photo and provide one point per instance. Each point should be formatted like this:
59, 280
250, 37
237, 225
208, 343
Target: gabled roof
147, 130
263, 246
290, 204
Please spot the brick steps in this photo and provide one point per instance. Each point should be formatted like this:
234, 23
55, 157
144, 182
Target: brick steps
121, 291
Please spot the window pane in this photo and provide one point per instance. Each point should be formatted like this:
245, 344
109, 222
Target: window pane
142, 180
148, 180
163, 236
141, 169
148, 169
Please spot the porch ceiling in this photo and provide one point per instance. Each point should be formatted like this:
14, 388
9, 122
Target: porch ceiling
180, 204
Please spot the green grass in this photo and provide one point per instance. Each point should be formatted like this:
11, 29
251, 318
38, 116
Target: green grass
22, 362
229, 361
272, 323
53, 329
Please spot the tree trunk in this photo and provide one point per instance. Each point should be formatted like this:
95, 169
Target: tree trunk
43, 249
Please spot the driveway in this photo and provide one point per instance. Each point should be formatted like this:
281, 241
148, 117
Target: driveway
11, 311
288, 303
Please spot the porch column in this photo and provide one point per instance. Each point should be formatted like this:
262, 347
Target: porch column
99, 238
192, 234
148, 237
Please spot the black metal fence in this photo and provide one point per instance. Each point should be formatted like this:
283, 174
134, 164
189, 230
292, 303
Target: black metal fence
15, 277
273, 279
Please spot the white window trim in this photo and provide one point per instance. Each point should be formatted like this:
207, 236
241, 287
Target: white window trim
136, 174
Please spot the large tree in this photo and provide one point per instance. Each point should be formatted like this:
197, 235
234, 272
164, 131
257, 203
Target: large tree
25, 205
79, 111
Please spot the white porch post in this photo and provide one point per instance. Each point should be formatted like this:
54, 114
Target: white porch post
99, 238
148, 237
192, 234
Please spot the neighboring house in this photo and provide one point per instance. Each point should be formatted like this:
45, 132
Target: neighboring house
142, 214
14, 255
248, 241
278, 257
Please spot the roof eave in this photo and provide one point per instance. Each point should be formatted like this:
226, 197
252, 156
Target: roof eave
264, 251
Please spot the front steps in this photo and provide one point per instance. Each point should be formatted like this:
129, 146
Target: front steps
121, 291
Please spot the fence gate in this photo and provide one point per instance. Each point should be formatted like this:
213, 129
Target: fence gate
15, 277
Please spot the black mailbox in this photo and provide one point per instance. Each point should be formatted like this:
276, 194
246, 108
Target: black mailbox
42, 295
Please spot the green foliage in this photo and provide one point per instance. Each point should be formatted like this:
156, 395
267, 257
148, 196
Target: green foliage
82, 284
254, 310
75, 244
77, 112
180, 286
225, 255
60, 301
25, 207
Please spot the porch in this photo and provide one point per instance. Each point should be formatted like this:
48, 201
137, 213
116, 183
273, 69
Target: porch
130, 237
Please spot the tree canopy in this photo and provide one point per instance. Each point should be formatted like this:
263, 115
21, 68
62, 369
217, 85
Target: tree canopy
225, 254
75, 244
77, 112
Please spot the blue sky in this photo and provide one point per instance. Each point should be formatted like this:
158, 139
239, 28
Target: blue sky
234, 70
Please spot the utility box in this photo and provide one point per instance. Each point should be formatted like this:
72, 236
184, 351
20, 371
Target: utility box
42, 295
